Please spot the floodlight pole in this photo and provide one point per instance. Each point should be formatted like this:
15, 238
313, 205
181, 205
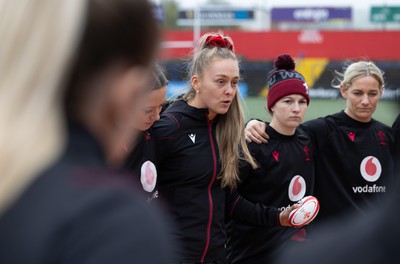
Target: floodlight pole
196, 24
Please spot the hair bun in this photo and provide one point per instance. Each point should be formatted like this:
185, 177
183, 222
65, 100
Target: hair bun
284, 62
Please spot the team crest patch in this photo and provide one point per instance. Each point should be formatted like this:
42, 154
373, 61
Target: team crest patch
148, 176
297, 188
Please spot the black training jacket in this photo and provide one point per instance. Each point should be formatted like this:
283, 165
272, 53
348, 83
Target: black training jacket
141, 163
188, 168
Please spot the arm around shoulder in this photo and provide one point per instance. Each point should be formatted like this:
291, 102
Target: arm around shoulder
255, 131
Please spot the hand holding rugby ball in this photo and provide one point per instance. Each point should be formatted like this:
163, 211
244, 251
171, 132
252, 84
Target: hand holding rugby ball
303, 215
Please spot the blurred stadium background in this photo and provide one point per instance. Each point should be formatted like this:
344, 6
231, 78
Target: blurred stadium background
321, 35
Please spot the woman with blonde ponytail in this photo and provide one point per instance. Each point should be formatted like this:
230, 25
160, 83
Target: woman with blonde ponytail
70, 74
199, 142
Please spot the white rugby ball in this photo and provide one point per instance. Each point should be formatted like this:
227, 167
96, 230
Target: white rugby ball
308, 210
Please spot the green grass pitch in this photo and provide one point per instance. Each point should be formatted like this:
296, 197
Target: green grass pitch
386, 111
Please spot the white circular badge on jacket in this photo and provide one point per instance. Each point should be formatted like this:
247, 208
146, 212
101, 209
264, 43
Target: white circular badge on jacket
148, 176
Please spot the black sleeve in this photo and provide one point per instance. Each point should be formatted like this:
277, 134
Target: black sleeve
318, 129
396, 131
164, 132
396, 123
240, 209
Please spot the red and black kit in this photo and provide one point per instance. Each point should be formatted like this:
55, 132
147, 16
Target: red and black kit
285, 175
354, 164
188, 167
141, 163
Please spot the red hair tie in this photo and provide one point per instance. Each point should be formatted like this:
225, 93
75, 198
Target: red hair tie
218, 41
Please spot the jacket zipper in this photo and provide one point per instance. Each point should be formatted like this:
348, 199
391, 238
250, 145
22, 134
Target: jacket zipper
210, 200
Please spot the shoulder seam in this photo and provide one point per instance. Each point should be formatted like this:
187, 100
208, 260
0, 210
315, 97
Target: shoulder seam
174, 118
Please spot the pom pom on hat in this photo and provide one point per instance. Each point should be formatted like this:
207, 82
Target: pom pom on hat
284, 80
284, 62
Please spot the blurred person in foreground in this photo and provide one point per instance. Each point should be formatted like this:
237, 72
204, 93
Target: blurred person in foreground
81, 65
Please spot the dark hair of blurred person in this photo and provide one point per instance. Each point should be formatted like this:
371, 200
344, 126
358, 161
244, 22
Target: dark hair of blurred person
113, 53
64, 204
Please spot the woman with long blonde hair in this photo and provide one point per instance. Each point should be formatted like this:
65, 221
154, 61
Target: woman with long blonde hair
199, 142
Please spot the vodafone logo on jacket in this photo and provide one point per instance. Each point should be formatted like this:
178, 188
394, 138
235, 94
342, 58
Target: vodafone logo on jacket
370, 169
297, 188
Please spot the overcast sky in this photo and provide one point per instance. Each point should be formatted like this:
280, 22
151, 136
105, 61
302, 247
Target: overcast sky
292, 3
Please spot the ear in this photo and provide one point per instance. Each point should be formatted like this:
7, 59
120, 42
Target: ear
195, 82
343, 91
272, 109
